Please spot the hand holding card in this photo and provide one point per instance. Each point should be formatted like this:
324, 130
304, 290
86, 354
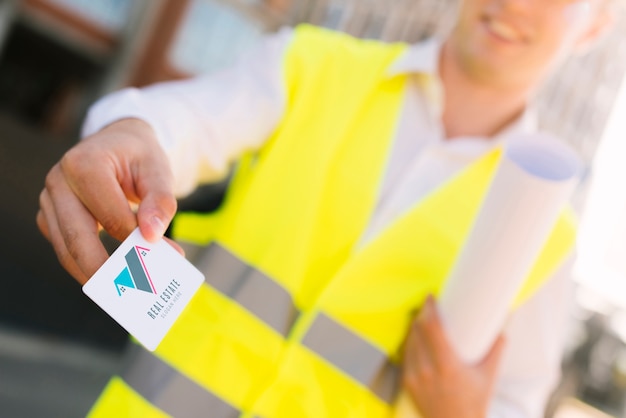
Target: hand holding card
144, 287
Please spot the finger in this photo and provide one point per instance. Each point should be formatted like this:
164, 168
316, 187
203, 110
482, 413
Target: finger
100, 188
46, 220
154, 185
41, 223
76, 225
433, 332
411, 365
491, 363
423, 356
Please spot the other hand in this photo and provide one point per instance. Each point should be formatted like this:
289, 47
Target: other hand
439, 382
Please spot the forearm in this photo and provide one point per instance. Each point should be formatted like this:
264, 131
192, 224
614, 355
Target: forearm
206, 122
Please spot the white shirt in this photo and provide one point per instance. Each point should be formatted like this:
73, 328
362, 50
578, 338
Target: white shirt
207, 122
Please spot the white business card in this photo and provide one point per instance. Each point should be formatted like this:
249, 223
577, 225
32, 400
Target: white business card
144, 287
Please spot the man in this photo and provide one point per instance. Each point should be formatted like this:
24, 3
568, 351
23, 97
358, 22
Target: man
342, 139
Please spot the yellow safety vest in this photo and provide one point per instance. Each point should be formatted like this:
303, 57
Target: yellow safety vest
295, 318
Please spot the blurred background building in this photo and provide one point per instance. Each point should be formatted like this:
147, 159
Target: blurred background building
57, 348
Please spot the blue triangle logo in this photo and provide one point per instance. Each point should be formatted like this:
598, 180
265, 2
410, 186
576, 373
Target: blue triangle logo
123, 280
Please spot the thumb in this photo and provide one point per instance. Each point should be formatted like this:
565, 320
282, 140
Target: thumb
157, 205
491, 362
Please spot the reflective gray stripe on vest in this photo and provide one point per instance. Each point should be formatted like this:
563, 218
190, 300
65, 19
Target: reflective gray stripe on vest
354, 356
169, 390
271, 303
249, 287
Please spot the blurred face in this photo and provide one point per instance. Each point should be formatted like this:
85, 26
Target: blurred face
517, 42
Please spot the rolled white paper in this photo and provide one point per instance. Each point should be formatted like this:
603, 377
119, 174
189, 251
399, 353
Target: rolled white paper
534, 180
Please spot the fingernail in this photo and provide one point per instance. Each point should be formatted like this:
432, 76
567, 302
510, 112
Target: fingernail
157, 225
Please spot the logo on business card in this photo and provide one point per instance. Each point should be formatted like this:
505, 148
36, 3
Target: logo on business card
135, 275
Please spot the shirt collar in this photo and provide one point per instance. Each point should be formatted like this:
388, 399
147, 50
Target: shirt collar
421, 57
527, 122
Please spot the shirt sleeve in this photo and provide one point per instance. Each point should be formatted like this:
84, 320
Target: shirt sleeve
531, 366
206, 122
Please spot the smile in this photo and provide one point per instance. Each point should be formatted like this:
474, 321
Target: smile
504, 31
